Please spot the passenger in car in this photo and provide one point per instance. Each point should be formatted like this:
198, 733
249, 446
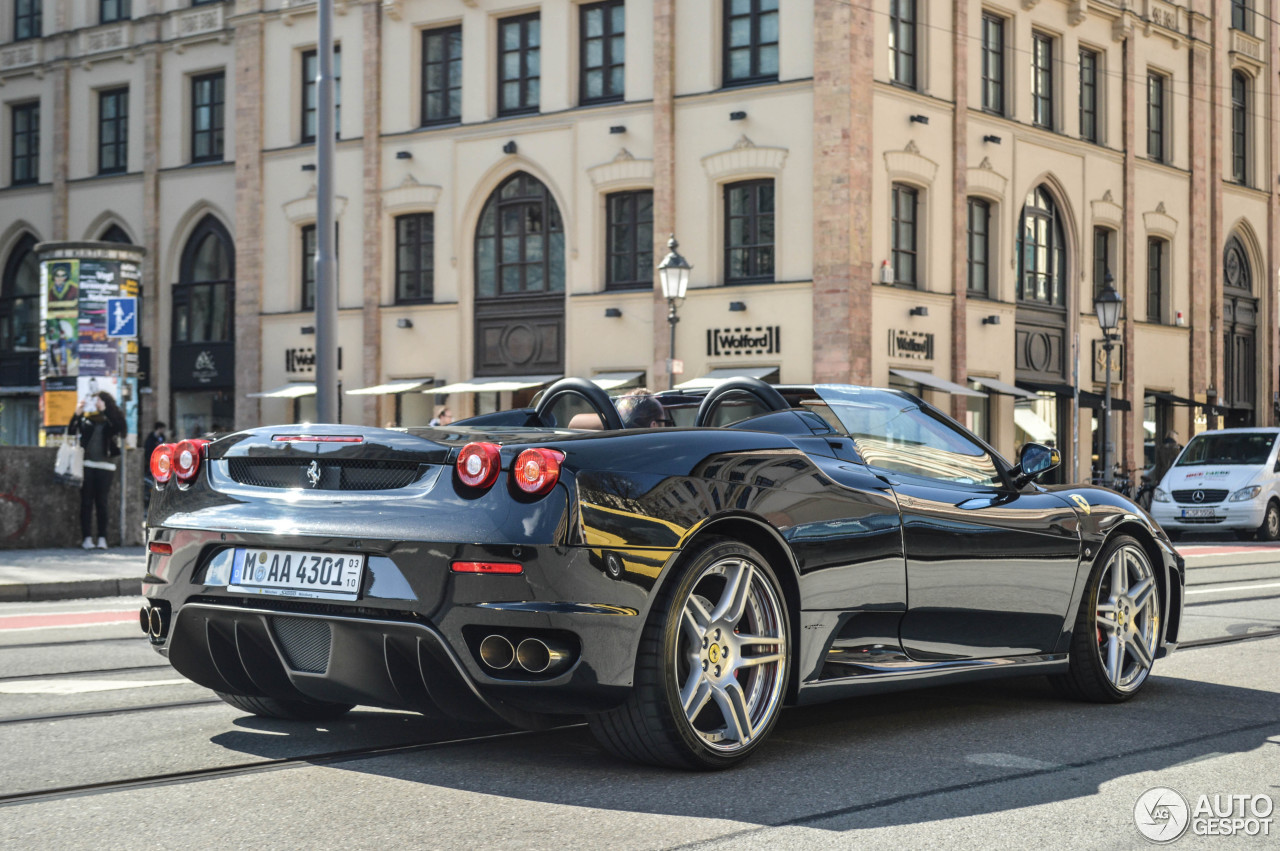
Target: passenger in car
641, 409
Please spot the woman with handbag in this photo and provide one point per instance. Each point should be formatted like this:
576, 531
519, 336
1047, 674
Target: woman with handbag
100, 424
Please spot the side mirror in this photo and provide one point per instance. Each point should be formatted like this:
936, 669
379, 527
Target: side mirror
1033, 460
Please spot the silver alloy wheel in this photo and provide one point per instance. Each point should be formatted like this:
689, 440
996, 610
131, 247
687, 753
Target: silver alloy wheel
1272, 522
1128, 618
731, 654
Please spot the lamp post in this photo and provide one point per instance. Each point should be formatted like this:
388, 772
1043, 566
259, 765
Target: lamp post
1107, 305
673, 274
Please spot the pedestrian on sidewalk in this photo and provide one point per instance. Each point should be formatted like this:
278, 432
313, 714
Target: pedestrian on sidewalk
442, 418
99, 423
154, 439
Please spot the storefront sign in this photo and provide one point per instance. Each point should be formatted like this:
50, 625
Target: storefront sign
1100, 362
202, 366
916, 345
302, 360
761, 340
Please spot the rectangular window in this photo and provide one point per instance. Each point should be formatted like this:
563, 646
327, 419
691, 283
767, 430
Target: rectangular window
993, 64
1155, 279
902, 42
904, 255
1155, 117
207, 98
977, 415
309, 249
113, 131
1042, 80
1088, 95
415, 257
442, 75
979, 247
750, 41
1101, 259
1239, 127
630, 228
311, 91
519, 64
602, 42
25, 161
1242, 15
26, 20
113, 10
748, 231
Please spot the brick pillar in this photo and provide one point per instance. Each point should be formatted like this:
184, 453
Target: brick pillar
960, 206
844, 39
1219, 111
371, 150
664, 172
154, 404
1200, 254
1133, 91
246, 82
1263, 165
60, 75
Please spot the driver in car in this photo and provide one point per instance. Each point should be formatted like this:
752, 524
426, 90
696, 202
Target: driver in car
639, 408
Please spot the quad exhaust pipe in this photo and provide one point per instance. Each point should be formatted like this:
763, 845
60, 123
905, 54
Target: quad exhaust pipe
532, 655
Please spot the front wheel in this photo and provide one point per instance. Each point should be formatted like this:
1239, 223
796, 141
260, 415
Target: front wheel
713, 665
1117, 628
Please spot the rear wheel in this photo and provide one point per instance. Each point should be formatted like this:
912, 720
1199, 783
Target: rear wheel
1270, 528
712, 666
1117, 628
288, 710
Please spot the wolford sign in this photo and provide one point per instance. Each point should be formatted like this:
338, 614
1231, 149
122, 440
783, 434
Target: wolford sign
761, 340
910, 344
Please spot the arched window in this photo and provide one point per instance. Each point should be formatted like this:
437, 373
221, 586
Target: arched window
20, 299
203, 296
1239, 127
1235, 266
1042, 263
115, 233
519, 241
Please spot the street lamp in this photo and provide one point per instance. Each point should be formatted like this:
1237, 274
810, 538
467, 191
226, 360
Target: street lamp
673, 274
1107, 305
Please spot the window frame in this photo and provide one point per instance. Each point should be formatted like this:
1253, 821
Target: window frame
1043, 105
642, 247
899, 68
444, 33
121, 11
754, 46
217, 117
896, 250
187, 289
993, 60
1101, 260
551, 223
426, 224
984, 291
1157, 273
15, 306
1055, 250
607, 63
1242, 16
119, 146
29, 163
526, 104
1157, 138
1089, 105
1240, 127
757, 251
307, 278
28, 20
310, 90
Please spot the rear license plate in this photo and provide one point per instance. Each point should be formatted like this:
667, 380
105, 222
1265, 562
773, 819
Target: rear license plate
1197, 512
333, 576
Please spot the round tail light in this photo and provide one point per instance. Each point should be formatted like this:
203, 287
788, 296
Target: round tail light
186, 459
536, 471
162, 463
478, 464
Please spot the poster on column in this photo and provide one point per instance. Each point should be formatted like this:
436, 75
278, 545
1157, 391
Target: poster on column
99, 281
62, 315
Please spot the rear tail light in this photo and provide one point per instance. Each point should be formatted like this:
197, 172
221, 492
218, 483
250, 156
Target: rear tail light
160, 548
486, 567
186, 459
478, 464
536, 471
162, 463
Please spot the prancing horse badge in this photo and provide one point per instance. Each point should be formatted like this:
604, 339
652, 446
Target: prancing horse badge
313, 474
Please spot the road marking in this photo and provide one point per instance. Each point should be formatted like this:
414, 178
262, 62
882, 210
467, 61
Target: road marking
1233, 588
1008, 760
64, 619
64, 687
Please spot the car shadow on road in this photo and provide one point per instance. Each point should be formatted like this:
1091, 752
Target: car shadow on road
857, 763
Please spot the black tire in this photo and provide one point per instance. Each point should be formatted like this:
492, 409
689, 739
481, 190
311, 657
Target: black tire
1270, 528
1087, 677
651, 726
287, 710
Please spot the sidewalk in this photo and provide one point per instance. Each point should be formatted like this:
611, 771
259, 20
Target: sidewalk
70, 574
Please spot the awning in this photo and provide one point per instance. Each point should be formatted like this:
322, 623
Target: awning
403, 386
928, 379
610, 380
995, 385
1175, 400
1042, 387
1033, 424
1089, 399
493, 384
286, 391
715, 376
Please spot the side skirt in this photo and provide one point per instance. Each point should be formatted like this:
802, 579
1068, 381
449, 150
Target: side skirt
900, 676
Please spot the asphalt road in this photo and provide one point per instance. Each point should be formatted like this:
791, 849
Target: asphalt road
91, 720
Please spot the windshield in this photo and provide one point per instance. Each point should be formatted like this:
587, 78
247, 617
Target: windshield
1244, 448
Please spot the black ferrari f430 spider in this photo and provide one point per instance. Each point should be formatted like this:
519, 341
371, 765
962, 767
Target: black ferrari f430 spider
675, 586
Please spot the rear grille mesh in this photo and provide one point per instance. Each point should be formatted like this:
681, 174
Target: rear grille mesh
1211, 497
338, 474
305, 642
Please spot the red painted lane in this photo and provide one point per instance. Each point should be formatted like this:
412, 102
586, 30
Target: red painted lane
65, 619
1226, 549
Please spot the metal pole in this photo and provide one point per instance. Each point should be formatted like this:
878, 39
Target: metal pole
326, 288
1106, 415
672, 319
121, 348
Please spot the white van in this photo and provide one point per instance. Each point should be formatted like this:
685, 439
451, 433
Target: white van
1225, 479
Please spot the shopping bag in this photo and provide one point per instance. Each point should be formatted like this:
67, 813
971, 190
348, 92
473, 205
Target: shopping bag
68, 466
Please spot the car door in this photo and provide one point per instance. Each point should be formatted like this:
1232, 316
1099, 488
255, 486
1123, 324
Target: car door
990, 569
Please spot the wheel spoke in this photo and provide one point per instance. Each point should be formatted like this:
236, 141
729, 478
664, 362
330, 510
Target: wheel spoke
752, 661
1108, 624
737, 717
756, 640
1138, 649
1141, 594
1119, 574
737, 589
1114, 659
693, 699
695, 619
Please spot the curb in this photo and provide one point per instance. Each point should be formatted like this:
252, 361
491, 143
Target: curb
36, 592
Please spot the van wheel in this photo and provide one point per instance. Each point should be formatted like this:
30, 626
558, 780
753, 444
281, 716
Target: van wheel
1270, 528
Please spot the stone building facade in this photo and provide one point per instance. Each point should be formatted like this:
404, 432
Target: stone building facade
919, 194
